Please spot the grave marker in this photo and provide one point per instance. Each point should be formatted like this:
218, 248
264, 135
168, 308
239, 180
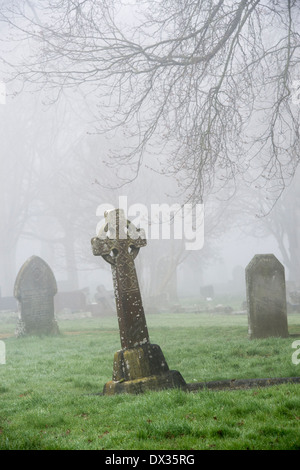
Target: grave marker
35, 287
104, 300
139, 365
266, 297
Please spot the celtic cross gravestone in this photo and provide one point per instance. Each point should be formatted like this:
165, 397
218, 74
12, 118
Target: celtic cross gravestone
35, 287
139, 365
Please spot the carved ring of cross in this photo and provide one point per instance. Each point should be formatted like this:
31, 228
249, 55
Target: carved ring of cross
109, 246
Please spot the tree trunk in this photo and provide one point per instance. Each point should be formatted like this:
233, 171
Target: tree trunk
7, 271
71, 264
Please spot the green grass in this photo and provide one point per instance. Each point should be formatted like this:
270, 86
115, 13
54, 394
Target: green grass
49, 387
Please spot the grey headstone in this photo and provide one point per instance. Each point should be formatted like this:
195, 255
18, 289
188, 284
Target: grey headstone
266, 297
35, 287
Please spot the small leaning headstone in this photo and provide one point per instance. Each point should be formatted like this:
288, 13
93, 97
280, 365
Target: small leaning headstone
35, 288
266, 297
139, 365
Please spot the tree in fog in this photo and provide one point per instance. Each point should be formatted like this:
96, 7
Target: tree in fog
62, 212
207, 84
253, 216
283, 224
47, 197
19, 180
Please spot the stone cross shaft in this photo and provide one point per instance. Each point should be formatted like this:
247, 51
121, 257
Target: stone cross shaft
119, 242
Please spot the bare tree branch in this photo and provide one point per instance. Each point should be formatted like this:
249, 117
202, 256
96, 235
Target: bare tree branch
206, 83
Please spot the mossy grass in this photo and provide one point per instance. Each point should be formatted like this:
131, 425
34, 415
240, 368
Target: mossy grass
50, 388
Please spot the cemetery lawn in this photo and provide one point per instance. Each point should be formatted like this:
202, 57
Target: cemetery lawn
50, 388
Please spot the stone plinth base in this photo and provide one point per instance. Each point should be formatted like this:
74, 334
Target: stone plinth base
142, 368
171, 379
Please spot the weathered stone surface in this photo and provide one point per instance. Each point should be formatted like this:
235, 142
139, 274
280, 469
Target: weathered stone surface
266, 297
170, 379
138, 362
139, 365
35, 287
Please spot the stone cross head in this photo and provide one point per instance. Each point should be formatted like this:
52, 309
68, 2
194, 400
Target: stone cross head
117, 235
